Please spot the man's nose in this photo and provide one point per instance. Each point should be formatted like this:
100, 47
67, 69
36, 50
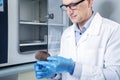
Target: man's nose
69, 10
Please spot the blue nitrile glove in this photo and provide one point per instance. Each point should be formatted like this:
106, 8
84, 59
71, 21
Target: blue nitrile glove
53, 65
42, 71
60, 64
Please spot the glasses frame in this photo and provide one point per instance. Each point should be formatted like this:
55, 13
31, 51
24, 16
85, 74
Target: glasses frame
71, 5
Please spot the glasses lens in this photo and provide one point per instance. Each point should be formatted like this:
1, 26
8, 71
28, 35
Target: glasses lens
63, 7
71, 6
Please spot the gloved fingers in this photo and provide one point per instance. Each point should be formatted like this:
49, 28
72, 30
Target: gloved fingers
43, 69
37, 67
40, 75
43, 63
52, 58
46, 64
44, 74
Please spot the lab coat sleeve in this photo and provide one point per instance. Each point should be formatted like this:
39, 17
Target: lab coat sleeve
111, 68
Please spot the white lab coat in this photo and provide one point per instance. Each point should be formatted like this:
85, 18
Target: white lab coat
98, 50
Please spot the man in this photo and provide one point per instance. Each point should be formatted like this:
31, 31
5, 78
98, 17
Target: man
90, 48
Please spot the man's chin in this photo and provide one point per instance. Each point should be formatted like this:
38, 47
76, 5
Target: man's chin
73, 21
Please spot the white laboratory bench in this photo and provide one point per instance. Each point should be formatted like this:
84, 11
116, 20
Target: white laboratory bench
15, 70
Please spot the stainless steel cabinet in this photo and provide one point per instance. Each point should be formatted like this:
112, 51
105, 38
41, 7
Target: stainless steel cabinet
33, 25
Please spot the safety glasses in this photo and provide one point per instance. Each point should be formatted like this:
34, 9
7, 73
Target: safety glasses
72, 6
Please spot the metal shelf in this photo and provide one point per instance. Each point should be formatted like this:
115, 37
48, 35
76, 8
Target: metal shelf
32, 23
37, 23
56, 24
32, 44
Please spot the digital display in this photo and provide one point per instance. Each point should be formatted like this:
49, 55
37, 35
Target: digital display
1, 6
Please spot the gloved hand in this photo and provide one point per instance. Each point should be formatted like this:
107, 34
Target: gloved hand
60, 64
42, 71
53, 65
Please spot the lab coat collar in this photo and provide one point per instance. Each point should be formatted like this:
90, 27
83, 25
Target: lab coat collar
95, 25
93, 29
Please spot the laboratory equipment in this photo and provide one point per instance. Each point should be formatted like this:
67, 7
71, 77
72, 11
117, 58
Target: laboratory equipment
28, 26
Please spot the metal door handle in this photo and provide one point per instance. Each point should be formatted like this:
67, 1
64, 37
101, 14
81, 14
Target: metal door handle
50, 16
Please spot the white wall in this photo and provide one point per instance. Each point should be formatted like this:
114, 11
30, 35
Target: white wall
108, 8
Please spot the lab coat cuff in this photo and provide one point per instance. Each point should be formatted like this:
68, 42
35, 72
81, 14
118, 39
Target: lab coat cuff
57, 77
77, 70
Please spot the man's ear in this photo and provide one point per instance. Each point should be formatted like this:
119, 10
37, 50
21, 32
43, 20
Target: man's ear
90, 3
